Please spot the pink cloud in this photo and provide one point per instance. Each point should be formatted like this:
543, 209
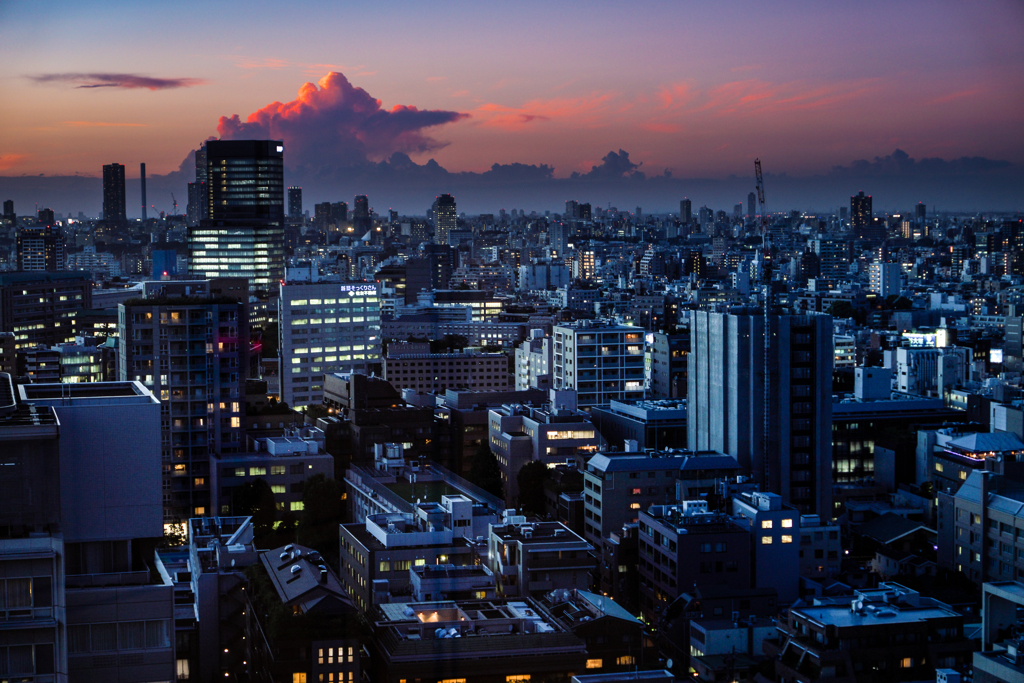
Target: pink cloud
333, 122
125, 81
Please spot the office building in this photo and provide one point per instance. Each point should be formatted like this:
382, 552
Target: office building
362, 222
890, 629
820, 548
113, 194
533, 559
923, 371
861, 216
9, 216
885, 279
295, 204
429, 271
601, 361
325, 328
726, 400
243, 235
40, 248
412, 366
192, 353
444, 219
40, 308
751, 205
685, 211
668, 365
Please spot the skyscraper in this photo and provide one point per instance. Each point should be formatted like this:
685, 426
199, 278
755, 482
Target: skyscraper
444, 219
860, 215
244, 233
685, 211
9, 215
361, 215
920, 212
295, 204
113, 193
726, 401
751, 205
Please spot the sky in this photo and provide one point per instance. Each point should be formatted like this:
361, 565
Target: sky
642, 102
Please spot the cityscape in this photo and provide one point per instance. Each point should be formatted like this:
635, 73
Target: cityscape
367, 393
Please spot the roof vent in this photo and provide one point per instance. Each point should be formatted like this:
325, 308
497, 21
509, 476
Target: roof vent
296, 569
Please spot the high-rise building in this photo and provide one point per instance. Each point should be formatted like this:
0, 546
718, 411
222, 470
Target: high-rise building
339, 212
9, 215
444, 219
322, 215
141, 171
707, 219
726, 401
324, 328
751, 205
685, 211
860, 215
45, 217
198, 207
920, 212
113, 193
244, 234
40, 248
193, 355
361, 215
295, 204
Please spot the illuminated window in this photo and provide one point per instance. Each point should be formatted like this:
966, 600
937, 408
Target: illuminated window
521, 678
453, 680
419, 563
299, 677
200, 481
787, 539
257, 471
296, 506
277, 488
626, 660
385, 566
766, 540
634, 506
906, 663
766, 524
787, 524
595, 663
200, 511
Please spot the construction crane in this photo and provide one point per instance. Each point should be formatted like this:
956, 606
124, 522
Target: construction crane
175, 204
766, 303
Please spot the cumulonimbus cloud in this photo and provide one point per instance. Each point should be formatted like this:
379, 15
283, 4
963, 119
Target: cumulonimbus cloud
334, 123
125, 81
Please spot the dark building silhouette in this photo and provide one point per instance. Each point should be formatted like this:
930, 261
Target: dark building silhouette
339, 212
751, 205
860, 216
45, 217
9, 214
444, 218
295, 203
113, 193
920, 212
142, 176
361, 215
40, 308
685, 211
244, 233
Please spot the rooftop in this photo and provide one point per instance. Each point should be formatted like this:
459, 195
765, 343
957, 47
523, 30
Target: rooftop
80, 393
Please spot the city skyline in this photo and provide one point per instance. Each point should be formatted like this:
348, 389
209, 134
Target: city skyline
691, 91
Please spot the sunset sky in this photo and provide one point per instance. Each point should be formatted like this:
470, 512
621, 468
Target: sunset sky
696, 88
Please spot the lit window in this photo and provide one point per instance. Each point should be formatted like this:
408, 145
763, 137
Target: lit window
626, 660
299, 677
787, 524
277, 488
766, 524
296, 506
521, 678
906, 663
787, 539
766, 540
634, 506
420, 562
200, 511
595, 663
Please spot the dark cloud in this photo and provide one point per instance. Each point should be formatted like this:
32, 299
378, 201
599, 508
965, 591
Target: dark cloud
126, 81
899, 163
612, 167
337, 125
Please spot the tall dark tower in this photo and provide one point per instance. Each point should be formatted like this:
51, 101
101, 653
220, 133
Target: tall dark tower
751, 205
685, 211
294, 204
361, 215
244, 233
920, 212
860, 215
142, 172
444, 219
113, 193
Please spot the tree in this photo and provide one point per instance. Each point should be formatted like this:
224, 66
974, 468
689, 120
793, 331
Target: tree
531, 487
485, 472
321, 514
255, 499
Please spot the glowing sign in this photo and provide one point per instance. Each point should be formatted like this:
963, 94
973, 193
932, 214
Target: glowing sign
359, 288
995, 356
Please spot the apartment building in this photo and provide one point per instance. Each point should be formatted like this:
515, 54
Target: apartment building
531, 559
602, 361
412, 366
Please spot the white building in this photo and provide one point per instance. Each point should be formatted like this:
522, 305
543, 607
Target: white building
927, 371
534, 362
885, 279
601, 361
845, 349
324, 328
